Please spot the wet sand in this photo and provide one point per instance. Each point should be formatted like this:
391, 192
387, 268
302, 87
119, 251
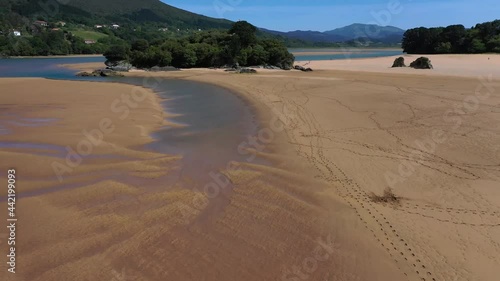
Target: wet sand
432, 137
342, 137
118, 213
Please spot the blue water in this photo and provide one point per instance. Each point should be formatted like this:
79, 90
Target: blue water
216, 120
43, 67
347, 54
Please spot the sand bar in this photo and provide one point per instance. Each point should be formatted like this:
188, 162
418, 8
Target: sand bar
119, 213
432, 136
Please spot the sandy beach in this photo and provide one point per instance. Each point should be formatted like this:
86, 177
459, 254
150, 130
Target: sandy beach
445, 65
117, 213
333, 51
336, 139
430, 136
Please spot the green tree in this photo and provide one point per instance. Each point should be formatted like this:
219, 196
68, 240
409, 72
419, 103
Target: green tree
258, 55
153, 56
278, 54
205, 54
455, 35
477, 46
23, 47
245, 32
443, 48
117, 52
493, 45
140, 45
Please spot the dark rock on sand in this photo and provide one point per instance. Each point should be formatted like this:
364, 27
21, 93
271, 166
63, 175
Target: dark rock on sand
301, 68
109, 73
100, 73
122, 66
399, 62
247, 70
422, 63
163, 68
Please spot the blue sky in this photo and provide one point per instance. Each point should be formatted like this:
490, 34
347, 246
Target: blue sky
321, 15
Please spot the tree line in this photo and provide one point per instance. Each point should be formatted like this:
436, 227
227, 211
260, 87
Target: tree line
454, 39
239, 45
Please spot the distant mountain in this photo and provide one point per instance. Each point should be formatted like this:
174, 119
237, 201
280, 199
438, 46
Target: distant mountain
361, 32
312, 36
120, 11
371, 31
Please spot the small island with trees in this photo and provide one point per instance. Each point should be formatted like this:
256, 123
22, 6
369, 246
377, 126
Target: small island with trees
454, 39
216, 48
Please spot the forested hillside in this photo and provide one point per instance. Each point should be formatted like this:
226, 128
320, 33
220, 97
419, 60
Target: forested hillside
33, 27
124, 12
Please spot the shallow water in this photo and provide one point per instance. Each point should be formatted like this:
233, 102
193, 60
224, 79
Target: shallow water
31, 122
215, 121
346, 54
42, 67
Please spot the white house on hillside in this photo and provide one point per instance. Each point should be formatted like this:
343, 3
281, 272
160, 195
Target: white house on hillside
115, 26
16, 33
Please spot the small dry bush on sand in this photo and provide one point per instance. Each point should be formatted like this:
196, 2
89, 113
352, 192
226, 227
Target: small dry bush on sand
388, 197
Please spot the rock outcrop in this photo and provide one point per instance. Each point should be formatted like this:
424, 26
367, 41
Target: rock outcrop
163, 68
247, 70
422, 63
399, 62
301, 68
100, 73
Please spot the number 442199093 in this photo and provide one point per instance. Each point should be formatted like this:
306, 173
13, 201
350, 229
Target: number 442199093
11, 192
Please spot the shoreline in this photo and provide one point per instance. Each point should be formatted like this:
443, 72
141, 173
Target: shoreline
55, 56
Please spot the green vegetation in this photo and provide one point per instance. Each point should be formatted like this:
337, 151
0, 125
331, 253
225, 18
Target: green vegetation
128, 13
240, 45
454, 39
147, 19
89, 35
